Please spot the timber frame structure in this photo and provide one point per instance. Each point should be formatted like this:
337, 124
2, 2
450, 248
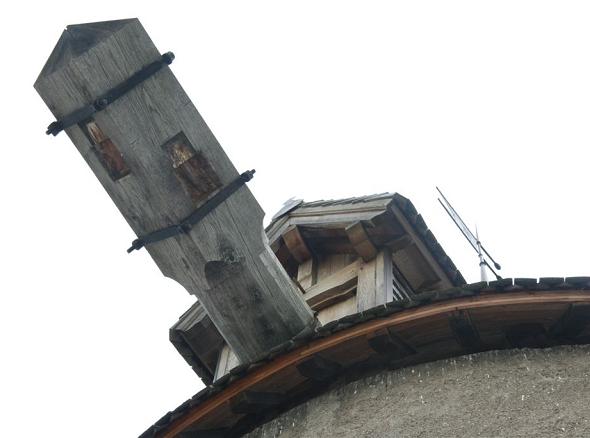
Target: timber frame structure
346, 256
503, 314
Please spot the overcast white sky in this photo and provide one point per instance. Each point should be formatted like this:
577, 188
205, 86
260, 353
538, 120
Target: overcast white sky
488, 100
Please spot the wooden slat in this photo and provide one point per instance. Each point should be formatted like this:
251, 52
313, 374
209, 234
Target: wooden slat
574, 321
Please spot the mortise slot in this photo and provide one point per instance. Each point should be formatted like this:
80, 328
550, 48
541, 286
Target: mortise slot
191, 168
106, 151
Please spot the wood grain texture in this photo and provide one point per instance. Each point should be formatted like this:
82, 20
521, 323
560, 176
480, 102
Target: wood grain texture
365, 292
224, 260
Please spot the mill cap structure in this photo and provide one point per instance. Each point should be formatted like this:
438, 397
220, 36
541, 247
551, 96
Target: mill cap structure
343, 317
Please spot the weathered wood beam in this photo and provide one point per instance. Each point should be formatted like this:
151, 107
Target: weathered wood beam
296, 244
360, 241
159, 162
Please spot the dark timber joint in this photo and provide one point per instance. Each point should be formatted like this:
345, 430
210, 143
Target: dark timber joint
187, 224
110, 96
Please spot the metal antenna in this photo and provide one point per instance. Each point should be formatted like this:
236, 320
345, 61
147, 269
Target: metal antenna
482, 253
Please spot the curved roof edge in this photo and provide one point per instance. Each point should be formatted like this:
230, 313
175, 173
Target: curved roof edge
482, 316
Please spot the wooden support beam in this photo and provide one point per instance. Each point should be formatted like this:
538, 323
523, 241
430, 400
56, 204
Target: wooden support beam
333, 288
159, 162
296, 244
464, 330
360, 241
252, 402
318, 368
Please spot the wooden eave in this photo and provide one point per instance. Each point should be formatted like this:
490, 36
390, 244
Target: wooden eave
499, 315
387, 220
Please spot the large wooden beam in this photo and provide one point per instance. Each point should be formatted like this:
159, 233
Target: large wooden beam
157, 159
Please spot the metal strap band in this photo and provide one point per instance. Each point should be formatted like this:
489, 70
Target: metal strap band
110, 96
185, 226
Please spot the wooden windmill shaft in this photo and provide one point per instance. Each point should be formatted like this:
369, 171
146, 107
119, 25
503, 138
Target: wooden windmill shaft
120, 104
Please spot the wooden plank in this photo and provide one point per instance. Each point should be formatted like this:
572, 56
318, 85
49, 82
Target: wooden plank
296, 244
360, 241
383, 277
318, 368
174, 163
332, 263
333, 286
365, 292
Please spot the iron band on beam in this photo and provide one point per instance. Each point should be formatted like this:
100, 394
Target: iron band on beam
110, 96
195, 217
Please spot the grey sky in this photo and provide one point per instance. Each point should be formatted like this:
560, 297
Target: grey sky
489, 101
